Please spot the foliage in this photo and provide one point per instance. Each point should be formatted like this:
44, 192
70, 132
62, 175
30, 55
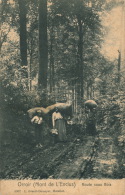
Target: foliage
63, 41
75, 35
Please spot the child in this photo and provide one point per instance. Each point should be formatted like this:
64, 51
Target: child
37, 121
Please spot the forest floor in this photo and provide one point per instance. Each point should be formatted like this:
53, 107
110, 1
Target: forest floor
82, 156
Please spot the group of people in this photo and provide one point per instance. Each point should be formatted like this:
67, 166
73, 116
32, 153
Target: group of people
59, 124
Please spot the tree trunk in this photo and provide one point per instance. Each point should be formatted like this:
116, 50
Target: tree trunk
119, 66
51, 61
91, 92
87, 90
43, 45
23, 32
80, 55
29, 69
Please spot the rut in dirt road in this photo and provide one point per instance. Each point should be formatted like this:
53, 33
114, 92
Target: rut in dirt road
76, 161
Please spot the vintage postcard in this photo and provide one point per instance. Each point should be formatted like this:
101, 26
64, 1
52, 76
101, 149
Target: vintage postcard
62, 98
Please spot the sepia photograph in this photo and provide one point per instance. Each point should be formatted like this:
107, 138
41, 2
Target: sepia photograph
62, 94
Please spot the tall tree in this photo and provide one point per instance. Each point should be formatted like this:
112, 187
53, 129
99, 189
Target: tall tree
119, 65
23, 31
80, 25
43, 45
51, 60
79, 17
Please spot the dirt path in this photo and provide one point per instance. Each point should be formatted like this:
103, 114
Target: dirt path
81, 157
62, 160
76, 160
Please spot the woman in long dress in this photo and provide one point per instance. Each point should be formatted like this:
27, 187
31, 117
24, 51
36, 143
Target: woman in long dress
59, 124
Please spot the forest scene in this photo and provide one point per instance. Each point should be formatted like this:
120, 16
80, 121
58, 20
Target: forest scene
62, 89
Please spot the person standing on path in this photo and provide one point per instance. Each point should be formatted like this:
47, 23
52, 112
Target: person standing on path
90, 110
38, 124
59, 124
